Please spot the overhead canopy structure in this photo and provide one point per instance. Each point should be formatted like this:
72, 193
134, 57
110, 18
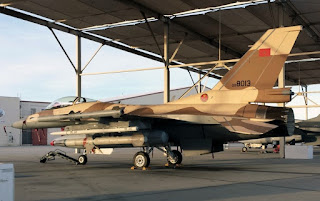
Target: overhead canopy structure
122, 24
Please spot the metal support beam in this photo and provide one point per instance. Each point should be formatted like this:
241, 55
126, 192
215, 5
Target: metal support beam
78, 67
195, 84
282, 76
282, 144
281, 84
306, 100
199, 84
176, 51
305, 106
166, 91
281, 15
65, 52
92, 57
153, 36
70, 30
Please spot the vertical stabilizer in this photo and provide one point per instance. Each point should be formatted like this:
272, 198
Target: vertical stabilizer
261, 65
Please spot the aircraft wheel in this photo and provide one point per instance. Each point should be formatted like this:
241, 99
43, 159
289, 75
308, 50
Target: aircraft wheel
244, 149
43, 160
82, 159
141, 159
179, 158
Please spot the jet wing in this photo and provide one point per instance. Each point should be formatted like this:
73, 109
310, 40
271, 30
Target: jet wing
74, 116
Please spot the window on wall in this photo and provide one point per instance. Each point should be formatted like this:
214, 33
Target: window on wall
27, 136
33, 110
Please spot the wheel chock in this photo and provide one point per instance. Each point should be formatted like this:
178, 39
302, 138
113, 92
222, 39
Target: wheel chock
144, 168
173, 166
178, 165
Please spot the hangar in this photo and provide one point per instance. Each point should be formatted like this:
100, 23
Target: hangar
200, 37
187, 34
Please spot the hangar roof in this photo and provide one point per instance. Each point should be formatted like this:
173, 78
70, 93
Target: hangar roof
121, 24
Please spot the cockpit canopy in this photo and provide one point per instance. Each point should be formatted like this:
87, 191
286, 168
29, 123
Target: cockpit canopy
67, 101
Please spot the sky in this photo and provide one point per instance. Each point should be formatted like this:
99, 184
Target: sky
34, 68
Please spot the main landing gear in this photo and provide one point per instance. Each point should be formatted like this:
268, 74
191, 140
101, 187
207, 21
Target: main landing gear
177, 159
142, 159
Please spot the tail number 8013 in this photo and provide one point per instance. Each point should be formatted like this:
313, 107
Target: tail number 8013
242, 83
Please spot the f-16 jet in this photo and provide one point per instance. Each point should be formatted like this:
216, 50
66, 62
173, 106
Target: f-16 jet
198, 124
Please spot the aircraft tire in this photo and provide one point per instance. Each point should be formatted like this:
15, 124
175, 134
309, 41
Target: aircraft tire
244, 149
82, 159
43, 160
179, 155
141, 160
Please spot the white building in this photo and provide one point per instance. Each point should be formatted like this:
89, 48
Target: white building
11, 112
15, 109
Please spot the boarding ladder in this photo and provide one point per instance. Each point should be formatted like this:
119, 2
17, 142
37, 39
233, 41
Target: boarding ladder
52, 154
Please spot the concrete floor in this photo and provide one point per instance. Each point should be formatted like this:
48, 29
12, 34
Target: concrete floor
232, 175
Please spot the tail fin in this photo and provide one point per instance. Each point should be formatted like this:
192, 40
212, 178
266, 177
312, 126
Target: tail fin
261, 65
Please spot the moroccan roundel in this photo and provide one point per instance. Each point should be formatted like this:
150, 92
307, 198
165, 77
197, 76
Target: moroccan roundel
204, 97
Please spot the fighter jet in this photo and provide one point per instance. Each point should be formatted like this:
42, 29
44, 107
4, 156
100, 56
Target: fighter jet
311, 125
198, 124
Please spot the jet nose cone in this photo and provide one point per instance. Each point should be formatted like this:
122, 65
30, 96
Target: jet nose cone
18, 124
52, 143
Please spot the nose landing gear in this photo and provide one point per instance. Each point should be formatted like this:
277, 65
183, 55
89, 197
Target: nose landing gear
141, 160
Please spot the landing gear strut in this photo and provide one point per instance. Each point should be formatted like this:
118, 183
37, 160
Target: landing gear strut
174, 157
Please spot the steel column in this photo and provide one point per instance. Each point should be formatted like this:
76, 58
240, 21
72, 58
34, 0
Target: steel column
166, 91
199, 84
306, 101
281, 81
281, 15
78, 65
281, 84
